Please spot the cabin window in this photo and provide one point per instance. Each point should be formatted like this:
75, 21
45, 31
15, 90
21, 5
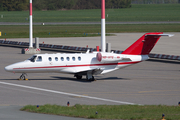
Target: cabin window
50, 59
62, 58
79, 58
32, 59
56, 58
39, 59
73, 58
67, 58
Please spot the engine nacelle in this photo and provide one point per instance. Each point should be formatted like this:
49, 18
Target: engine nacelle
108, 57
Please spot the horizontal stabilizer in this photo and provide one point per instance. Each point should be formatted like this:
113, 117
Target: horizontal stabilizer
169, 35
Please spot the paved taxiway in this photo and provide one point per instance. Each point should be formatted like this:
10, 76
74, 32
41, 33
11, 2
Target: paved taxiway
150, 82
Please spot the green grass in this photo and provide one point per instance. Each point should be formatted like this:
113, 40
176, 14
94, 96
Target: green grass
50, 31
147, 12
81, 30
151, 12
126, 112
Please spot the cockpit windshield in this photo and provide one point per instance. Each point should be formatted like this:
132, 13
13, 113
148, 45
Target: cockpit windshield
32, 58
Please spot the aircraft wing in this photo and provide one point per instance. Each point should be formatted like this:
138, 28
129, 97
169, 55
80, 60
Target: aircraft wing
92, 71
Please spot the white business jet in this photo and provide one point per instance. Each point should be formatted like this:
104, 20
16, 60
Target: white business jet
87, 64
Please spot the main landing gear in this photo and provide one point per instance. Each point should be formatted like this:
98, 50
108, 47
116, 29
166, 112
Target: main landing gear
23, 77
79, 77
89, 77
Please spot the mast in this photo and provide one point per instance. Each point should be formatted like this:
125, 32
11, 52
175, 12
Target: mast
103, 38
30, 25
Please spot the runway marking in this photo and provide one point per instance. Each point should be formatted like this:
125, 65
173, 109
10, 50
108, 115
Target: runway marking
64, 93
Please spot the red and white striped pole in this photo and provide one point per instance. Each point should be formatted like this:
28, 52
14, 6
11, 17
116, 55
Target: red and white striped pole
30, 25
103, 38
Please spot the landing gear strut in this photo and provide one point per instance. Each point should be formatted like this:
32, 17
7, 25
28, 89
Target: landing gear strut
90, 77
23, 77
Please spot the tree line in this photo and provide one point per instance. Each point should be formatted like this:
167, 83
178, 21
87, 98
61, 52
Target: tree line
14, 5
20, 5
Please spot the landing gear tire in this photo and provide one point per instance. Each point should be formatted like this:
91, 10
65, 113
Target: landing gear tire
23, 77
93, 78
79, 77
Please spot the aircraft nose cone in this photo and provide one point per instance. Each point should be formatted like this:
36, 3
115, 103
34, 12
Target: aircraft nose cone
8, 68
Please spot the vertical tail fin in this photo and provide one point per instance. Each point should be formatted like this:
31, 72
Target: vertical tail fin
145, 44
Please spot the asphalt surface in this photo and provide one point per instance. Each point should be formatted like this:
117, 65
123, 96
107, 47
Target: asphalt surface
150, 82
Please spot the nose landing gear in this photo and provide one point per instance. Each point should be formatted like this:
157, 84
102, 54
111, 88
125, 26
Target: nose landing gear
23, 77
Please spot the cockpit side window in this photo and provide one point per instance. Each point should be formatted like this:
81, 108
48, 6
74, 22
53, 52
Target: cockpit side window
39, 59
32, 59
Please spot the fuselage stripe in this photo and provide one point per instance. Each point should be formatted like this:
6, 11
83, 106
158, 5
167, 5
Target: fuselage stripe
120, 63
